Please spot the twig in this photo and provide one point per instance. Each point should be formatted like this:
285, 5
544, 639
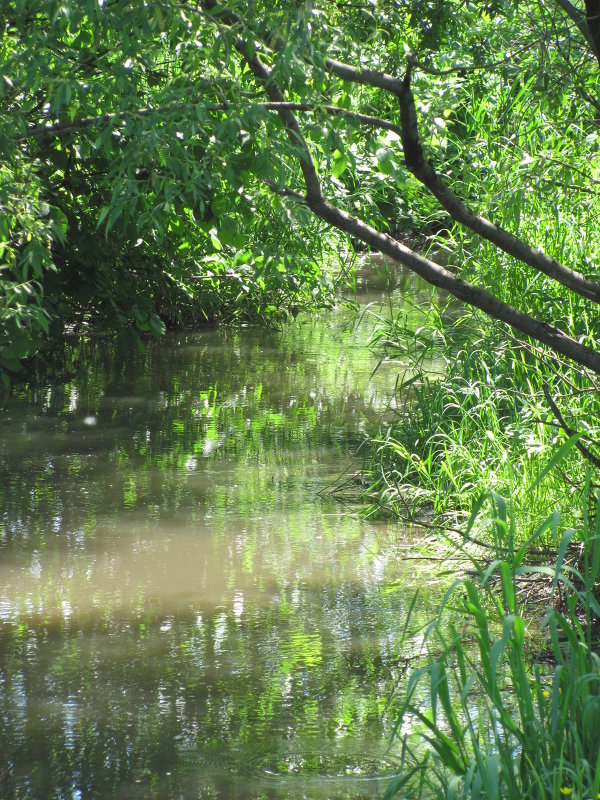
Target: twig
587, 454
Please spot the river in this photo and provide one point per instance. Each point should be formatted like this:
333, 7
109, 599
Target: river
185, 610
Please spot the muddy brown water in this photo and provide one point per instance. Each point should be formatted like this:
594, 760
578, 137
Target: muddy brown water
185, 611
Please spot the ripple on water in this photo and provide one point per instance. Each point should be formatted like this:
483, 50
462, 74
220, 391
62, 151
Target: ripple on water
320, 764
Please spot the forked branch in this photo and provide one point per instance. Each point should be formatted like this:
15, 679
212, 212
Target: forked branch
425, 173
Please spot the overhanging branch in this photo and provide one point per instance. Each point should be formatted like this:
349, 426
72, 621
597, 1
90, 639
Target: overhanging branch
423, 170
47, 132
437, 275
434, 274
468, 293
579, 18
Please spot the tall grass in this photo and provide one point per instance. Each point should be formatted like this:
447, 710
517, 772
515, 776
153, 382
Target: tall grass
524, 156
473, 414
499, 721
483, 414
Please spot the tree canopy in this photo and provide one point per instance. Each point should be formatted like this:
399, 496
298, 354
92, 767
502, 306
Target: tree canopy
166, 162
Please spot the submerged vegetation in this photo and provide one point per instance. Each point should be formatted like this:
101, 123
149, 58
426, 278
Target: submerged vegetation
170, 164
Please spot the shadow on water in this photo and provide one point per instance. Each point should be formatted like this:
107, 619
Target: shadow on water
183, 612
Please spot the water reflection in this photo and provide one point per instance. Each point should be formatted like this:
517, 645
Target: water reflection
182, 613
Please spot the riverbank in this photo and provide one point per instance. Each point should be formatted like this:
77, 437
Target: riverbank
483, 448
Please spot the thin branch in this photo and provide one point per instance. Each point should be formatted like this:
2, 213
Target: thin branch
552, 362
53, 131
585, 452
424, 172
464, 69
437, 275
265, 77
570, 186
573, 168
363, 119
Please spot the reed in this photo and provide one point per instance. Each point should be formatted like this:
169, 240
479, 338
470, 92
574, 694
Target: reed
508, 705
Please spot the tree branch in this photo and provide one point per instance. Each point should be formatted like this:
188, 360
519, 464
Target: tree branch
464, 69
437, 275
264, 75
585, 451
53, 131
592, 13
432, 273
363, 119
425, 173
365, 77
579, 18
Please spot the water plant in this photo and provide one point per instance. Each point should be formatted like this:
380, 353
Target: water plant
513, 707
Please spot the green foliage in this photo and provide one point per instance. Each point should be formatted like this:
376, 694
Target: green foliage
144, 183
26, 229
472, 415
137, 142
128, 201
499, 723
477, 417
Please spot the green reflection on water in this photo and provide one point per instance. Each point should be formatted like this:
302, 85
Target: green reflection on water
182, 613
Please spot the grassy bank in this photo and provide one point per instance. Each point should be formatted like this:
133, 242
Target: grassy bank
497, 441
490, 420
513, 685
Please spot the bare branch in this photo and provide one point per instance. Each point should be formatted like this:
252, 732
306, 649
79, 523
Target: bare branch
365, 77
53, 131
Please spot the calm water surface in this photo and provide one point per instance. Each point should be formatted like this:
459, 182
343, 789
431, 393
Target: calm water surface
185, 612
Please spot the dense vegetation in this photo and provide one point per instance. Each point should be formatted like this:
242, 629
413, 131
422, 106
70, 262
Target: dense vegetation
124, 200
173, 163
